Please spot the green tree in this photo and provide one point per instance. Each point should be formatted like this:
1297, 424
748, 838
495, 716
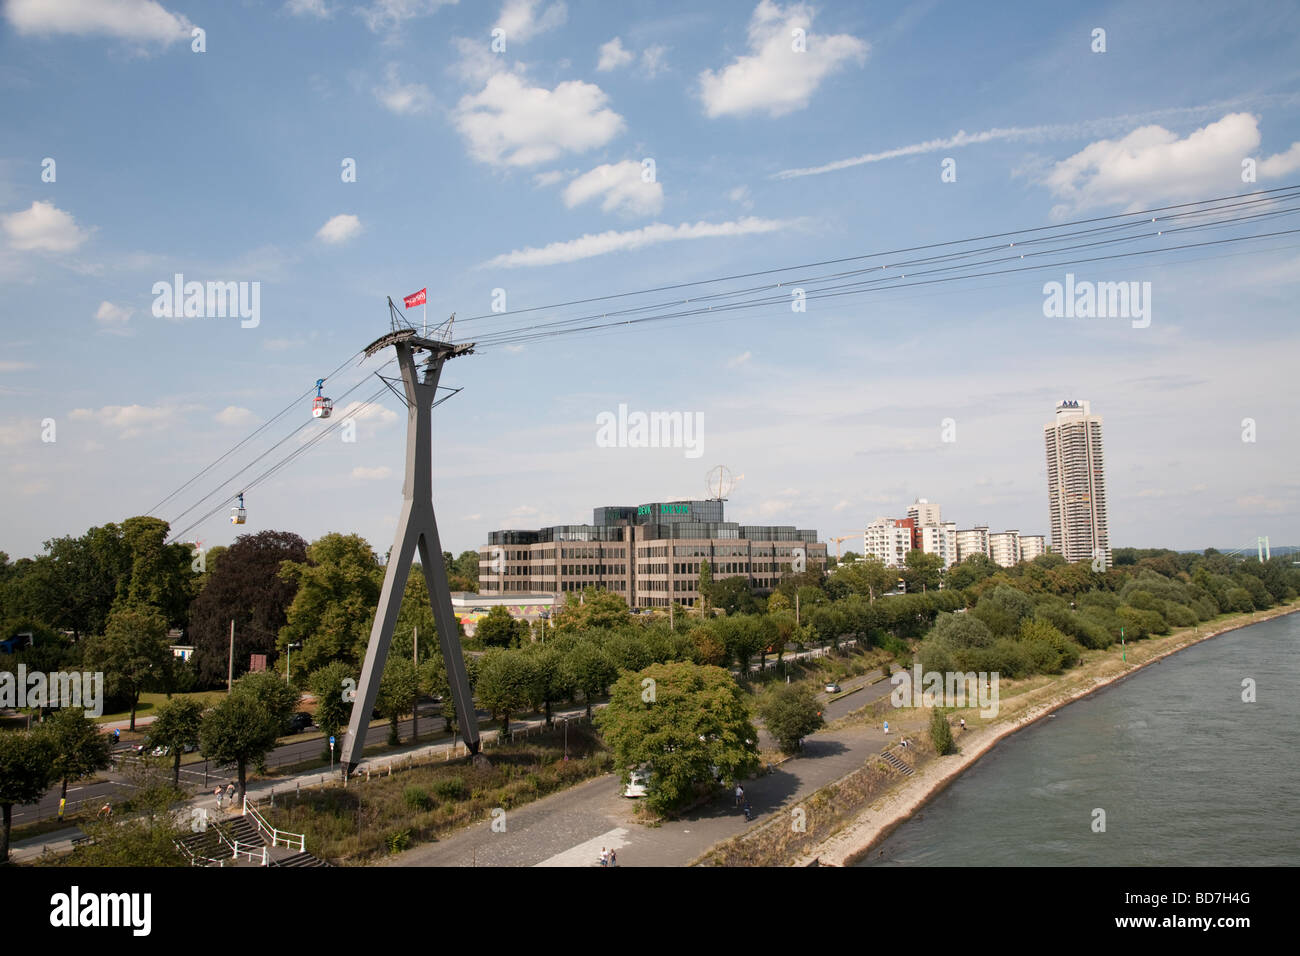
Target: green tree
268, 687
398, 687
333, 708
791, 712
78, 746
733, 595
26, 769
550, 680
921, 571
705, 586
502, 685
498, 628
332, 611
869, 577
974, 569
592, 609
690, 723
591, 669
940, 732
133, 653
241, 730
176, 726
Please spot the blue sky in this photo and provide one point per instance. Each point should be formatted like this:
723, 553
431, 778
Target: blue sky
478, 169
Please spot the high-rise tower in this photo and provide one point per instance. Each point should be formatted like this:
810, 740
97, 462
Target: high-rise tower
1076, 484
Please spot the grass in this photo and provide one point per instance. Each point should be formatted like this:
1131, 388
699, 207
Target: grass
368, 820
150, 702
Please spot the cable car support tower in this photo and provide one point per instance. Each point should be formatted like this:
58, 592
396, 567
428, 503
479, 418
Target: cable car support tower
416, 528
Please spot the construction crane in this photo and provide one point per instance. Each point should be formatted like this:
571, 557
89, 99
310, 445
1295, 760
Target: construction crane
840, 539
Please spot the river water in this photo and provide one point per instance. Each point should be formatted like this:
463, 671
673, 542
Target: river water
1187, 773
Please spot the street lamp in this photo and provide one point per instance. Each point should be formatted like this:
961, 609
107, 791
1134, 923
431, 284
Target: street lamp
288, 660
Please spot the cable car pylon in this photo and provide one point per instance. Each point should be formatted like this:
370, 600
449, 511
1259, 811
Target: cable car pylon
417, 528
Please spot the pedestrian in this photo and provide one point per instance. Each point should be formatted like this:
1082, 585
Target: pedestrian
105, 812
740, 794
117, 734
230, 794
217, 793
604, 857
613, 857
963, 723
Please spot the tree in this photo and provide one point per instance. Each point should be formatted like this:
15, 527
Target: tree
868, 576
244, 586
78, 746
689, 724
593, 609
971, 571
271, 689
791, 712
338, 592
922, 571
398, 686
550, 680
591, 669
940, 732
705, 586
26, 768
333, 708
502, 684
161, 576
133, 653
498, 628
240, 730
733, 595
176, 727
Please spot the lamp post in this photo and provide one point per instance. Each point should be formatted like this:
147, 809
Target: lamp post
288, 660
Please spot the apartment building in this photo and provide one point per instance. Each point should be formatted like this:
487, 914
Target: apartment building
1076, 486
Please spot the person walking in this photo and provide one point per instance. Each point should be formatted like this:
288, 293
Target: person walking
740, 794
613, 857
604, 856
230, 795
217, 792
963, 723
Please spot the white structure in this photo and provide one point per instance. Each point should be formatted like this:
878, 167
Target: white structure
1004, 548
885, 540
973, 541
940, 540
1031, 546
923, 513
1076, 486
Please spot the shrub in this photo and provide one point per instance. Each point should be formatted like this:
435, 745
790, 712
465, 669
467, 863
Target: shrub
417, 799
451, 788
940, 733
398, 841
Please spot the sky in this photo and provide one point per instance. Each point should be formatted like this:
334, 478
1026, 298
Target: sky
525, 153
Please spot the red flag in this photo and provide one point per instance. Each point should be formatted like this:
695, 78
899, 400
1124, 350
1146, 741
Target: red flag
416, 298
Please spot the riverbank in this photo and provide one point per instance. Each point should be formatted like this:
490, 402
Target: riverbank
854, 841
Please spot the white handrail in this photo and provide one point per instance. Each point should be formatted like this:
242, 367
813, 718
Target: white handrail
276, 835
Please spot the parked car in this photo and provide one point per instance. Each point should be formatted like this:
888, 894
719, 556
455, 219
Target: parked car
161, 751
299, 722
832, 688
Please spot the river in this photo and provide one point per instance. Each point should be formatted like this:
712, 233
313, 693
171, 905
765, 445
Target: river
1187, 773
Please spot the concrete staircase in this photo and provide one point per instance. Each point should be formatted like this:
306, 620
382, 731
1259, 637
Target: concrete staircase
891, 758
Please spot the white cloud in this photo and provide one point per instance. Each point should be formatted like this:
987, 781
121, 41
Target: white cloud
521, 23
600, 244
43, 227
741, 195
309, 8
382, 471
386, 15
113, 315
774, 77
339, 229
652, 60
620, 187
402, 98
374, 413
142, 21
130, 420
1151, 164
509, 124
235, 415
553, 176
612, 56
740, 359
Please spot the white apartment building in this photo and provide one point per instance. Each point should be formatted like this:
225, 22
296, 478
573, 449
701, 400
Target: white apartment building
885, 540
941, 540
1076, 485
1031, 546
923, 513
1004, 548
972, 541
